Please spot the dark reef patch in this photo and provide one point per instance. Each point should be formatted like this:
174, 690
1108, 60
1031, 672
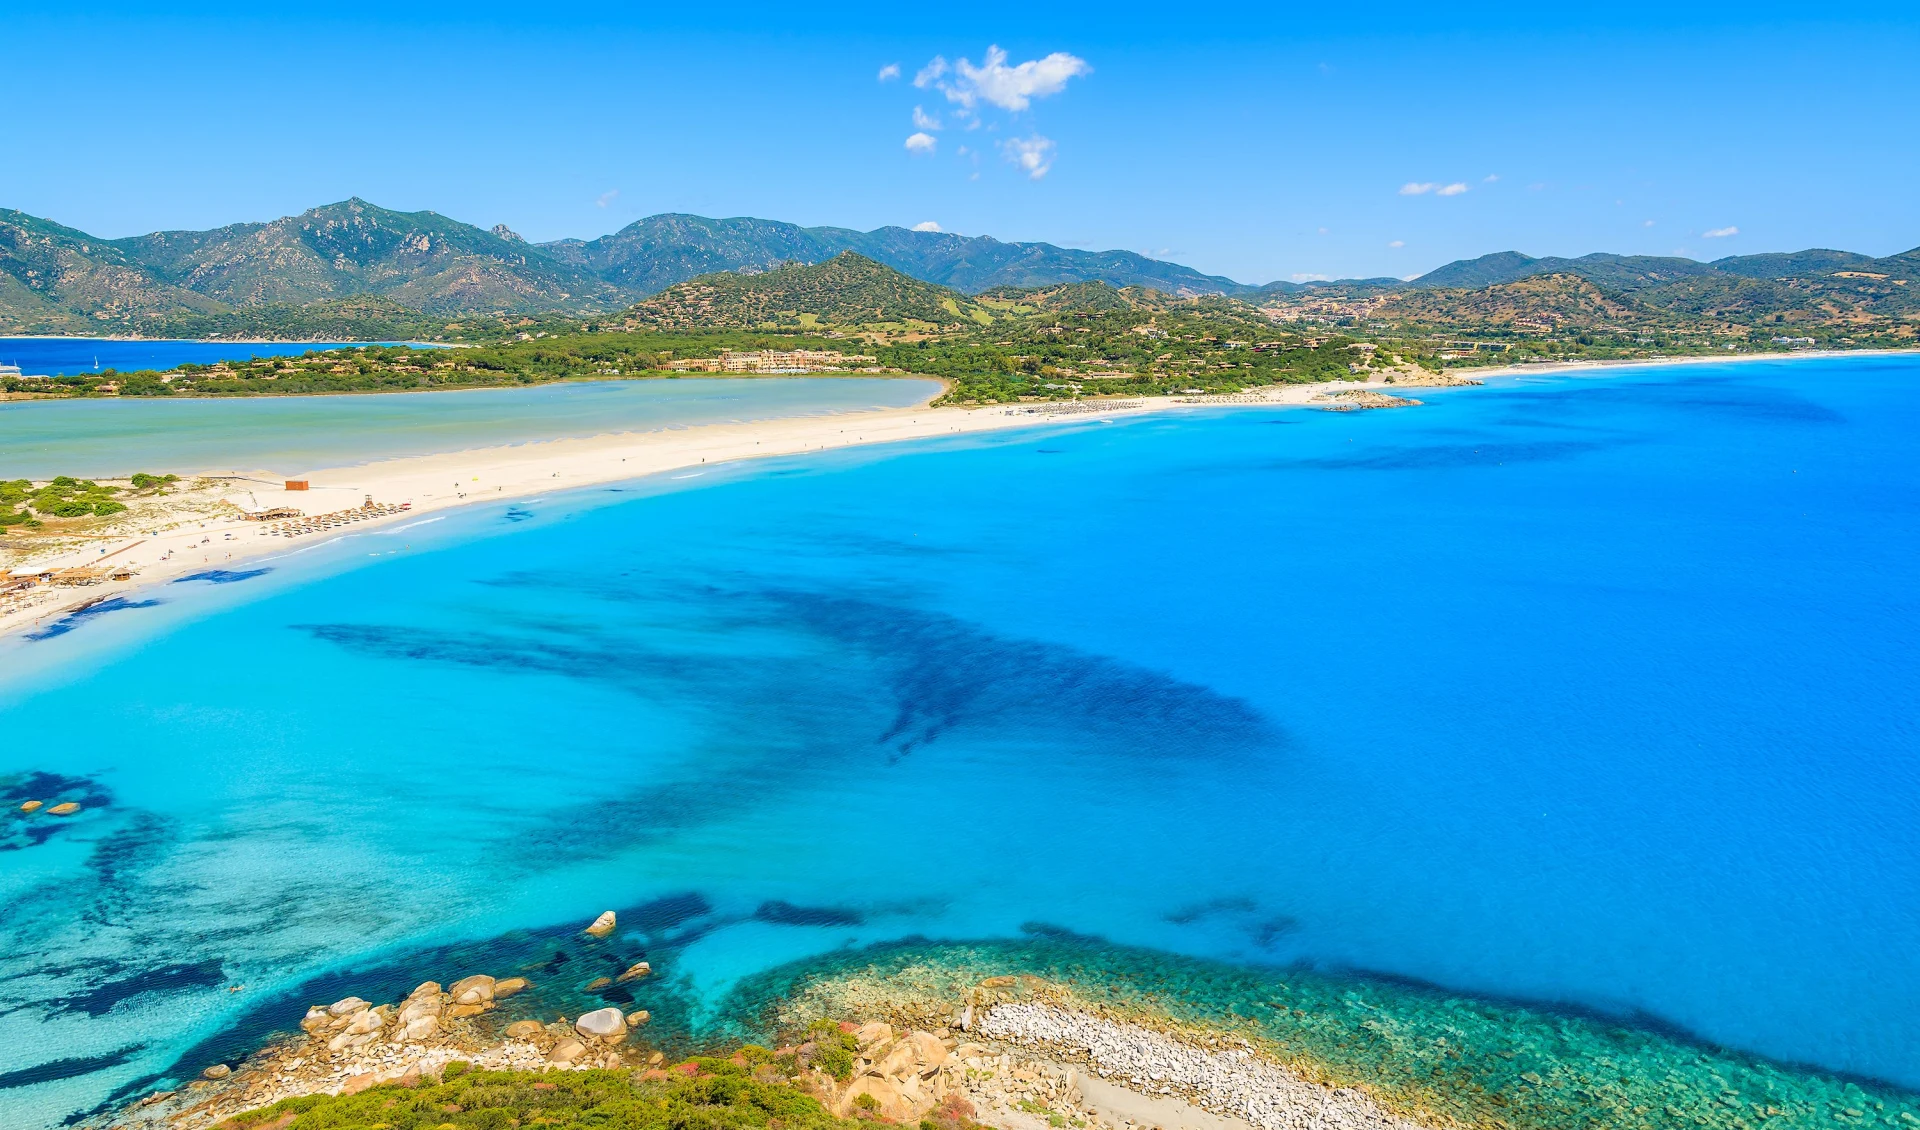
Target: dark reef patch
224, 576
29, 829
784, 913
166, 979
55, 1070
87, 612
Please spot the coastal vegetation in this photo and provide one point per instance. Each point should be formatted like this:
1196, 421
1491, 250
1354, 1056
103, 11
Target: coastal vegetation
26, 503
704, 1093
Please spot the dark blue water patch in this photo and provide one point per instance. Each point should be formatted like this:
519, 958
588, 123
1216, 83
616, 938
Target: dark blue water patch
946, 673
224, 576
1446, 457
783, 913
660, 916
1195, 912
1050, 451
55, 1070
1268, 931
1726, 398
130, 850
516, 514
30, 829
166, 979
87, 612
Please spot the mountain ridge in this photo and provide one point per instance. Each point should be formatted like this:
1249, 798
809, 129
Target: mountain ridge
58, 279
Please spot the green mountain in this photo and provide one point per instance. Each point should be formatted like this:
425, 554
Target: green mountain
847, 290
652, 254
420, 260
56, 279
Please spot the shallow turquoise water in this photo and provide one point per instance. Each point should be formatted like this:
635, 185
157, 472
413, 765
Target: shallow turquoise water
42, 438
1597, 692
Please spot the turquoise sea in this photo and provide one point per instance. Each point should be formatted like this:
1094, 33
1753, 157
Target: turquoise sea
1593, 692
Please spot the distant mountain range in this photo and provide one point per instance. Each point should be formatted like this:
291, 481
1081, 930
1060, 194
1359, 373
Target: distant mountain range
330, 265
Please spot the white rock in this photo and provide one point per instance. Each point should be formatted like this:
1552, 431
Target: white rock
346, 1006
420, 1028
477, 989
601, 1023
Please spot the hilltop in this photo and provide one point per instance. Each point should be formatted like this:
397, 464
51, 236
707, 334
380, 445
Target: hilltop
849, 290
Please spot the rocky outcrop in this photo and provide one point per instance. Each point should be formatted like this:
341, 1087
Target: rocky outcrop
899, 1077
603, 925
1359, 400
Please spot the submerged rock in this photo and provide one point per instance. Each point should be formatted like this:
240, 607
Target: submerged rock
638, 1017
636, 971
67, 808
31, 806
506, 988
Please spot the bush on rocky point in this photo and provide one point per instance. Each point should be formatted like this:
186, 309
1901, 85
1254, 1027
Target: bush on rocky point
721, 1096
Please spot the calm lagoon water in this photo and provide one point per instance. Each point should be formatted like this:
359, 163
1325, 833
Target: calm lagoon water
41, 438
54, 356
1595, 692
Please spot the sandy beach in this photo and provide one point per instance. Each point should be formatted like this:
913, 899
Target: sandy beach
431, 483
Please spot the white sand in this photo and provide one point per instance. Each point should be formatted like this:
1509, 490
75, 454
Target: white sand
437, 482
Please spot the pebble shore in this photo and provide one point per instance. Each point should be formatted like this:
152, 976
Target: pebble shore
1234, 1083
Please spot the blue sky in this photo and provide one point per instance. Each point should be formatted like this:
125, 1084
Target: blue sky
1256, 141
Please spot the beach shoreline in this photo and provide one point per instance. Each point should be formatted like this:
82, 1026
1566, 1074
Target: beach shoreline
1551, 368
432, 484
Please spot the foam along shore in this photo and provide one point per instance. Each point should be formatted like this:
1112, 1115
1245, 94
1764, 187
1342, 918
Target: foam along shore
221, 539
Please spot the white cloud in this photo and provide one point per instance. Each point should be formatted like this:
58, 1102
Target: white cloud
924, 120
926, 225
889, 72
1015, 87
1454, 189
607, 198
1490, 178
921, 143
1417, 188
930, 72
1648, 224
1720, 233
1398, 243
1034, 155
1310, 278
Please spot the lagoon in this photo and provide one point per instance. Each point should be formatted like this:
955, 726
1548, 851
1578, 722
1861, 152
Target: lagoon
109, 437
1592, 691
56, 356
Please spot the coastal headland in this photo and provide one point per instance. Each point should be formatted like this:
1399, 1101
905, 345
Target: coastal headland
1045, 1033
